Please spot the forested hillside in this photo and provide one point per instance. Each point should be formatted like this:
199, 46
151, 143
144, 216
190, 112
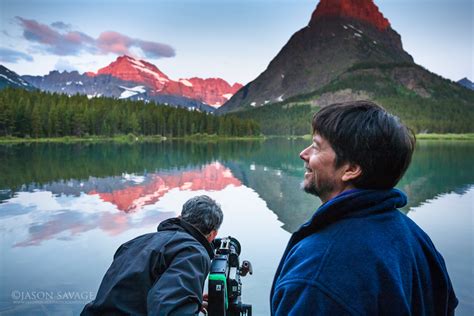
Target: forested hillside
429, 104
39, 114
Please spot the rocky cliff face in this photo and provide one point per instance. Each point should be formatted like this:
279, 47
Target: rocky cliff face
340, 34
212, 91
131, 69
10, 78
361, 10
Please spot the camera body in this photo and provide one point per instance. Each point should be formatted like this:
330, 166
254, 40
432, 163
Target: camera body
225, 285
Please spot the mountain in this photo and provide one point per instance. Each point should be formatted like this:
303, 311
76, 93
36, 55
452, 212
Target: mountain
339, 35
130, 78
466, 83
72, 83
10, 78
349, 51
212, 91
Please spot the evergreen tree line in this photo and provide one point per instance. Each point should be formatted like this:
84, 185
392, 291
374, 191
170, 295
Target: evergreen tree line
449, 109
281, 119
39, 114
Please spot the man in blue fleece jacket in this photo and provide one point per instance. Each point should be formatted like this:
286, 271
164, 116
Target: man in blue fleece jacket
358, 254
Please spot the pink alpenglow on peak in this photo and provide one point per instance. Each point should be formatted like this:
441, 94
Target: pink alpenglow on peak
362, 10
212, 91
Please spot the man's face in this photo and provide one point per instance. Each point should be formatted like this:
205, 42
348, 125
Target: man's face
321, 177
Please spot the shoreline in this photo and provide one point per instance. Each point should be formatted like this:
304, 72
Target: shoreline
123, 139
198, 137
433, 136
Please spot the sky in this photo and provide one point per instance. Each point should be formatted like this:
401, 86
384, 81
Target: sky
231, 39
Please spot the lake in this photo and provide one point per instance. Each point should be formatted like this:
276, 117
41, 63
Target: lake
65, 209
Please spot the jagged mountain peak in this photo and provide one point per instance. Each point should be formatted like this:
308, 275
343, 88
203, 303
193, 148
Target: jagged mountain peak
340, 35
362, 10
9, 78
128, 68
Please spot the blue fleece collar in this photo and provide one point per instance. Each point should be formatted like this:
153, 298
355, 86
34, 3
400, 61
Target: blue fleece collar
356, 202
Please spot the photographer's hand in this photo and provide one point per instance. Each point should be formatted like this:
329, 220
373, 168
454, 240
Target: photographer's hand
204, 304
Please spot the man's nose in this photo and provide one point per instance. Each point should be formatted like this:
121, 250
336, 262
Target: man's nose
304, 153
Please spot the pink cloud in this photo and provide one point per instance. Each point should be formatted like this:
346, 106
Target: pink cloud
34, 31
113, 42
74, 42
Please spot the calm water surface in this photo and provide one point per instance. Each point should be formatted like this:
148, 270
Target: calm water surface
64, 210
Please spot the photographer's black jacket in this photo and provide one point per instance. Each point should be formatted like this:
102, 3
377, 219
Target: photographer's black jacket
161, 273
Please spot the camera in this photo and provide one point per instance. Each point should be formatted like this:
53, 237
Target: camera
225, 285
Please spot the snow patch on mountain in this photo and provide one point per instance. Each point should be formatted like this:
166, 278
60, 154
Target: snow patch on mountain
136, 61
130, 92
20, 81
151, 72
8, 79
186, 82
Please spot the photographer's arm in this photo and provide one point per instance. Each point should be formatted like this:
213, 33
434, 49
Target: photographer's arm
179, 289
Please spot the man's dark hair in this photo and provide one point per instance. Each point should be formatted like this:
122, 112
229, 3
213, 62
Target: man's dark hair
202, 212
364, 133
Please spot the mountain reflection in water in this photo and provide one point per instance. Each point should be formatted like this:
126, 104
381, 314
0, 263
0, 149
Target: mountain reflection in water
211, 177
54, 213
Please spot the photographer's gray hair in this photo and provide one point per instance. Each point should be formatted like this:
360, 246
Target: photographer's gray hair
202, 212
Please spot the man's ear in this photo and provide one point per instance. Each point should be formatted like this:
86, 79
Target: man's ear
351, 171
211, 236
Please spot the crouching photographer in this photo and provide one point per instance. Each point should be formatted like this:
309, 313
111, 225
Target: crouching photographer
162, 273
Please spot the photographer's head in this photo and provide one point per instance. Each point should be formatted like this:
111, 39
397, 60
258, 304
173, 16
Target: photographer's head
356, 145
205, 214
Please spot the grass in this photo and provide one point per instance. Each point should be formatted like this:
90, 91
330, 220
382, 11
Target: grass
74, 139
130, 138
430, 136
433, 136
210, 137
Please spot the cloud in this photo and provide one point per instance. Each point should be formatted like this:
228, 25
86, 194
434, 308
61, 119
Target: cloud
70, 43
64, 65
114, 42
12, 56
61, 25
155, 50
